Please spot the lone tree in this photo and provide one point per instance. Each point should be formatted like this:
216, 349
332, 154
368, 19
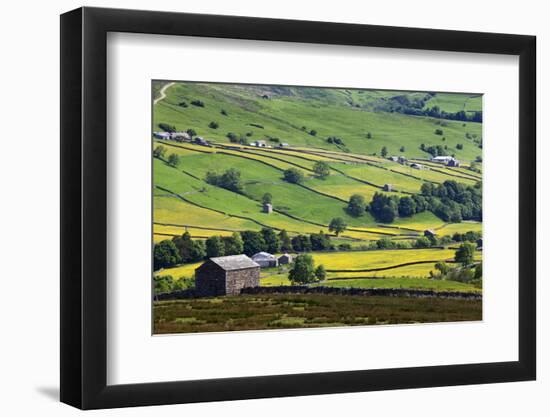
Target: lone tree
465, 253
337, 225
159, 152
320, 273
173, 160
267, 198
213, 125
322, 169
356, 205
191, 133
293, 175
384, 151
303, 270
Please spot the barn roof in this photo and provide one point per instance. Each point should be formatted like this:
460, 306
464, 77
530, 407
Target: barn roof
263, 255
234, 262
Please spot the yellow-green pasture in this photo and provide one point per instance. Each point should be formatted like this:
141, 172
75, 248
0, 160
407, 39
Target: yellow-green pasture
360, 260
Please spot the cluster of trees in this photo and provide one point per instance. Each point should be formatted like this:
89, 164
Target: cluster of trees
181, 249
470, 236
467, 272
234, 138
304, 271
160, 153
184, 249
450, 201
224, 245
167, 128
230, 180
336, 140
453, 201
415, 106
434, 150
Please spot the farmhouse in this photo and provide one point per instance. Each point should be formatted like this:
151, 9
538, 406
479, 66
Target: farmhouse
284, 259
393, 158
265, 260
283, 145
226, 275
181, 136
453, 163
162, 135
416, 166
442, 159
259, 143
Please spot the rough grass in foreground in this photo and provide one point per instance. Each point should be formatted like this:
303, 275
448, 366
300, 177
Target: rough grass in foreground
285, 311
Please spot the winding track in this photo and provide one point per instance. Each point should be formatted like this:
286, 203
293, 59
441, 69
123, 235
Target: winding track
163, 92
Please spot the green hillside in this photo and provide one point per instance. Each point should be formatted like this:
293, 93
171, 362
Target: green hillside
188, 198
290, 117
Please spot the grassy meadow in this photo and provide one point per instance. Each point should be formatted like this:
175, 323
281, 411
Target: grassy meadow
352, 133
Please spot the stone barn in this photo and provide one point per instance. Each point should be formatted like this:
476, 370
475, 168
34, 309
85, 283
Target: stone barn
226, 275
285, 259
268, 208
388, 187
265, 260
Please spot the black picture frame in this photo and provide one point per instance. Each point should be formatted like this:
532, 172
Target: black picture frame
84, 207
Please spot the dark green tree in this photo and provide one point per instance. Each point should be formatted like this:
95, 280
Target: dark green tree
271, 240
293, 175
233, 245
159, 152
320, 273
253, 242
173, 160
165, 254
191, 132
267, 198
215, 247
301, 243
337, 225
356, 205
213, 125
384, 151
406, 207
320, 241
465, 253
303, 270
322, 169
286, 245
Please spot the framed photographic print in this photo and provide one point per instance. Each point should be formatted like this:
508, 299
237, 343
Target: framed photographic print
256, 208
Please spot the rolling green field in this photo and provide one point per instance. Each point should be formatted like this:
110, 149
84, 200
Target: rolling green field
359, 123
283, 117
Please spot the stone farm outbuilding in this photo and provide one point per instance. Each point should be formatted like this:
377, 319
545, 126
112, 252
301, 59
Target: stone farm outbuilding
284, 259
226, 275
265, 260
